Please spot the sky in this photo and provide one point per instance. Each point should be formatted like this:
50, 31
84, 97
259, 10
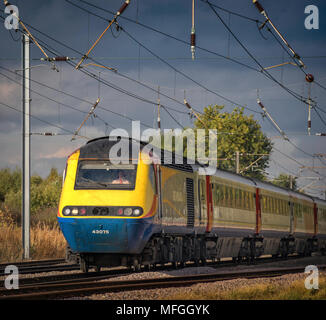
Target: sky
146, 60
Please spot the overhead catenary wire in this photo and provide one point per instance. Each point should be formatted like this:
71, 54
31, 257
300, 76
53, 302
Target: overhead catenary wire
268, 20
188, 77
94, 76
71, 96
268, 75
59, 102
160, 32
118, 13
301, 99
42, 120
235, 103
264, 72
171, 66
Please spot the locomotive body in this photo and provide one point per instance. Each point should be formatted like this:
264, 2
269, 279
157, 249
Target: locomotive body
116, 212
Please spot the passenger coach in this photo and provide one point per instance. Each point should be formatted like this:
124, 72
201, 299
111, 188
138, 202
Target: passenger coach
129, 211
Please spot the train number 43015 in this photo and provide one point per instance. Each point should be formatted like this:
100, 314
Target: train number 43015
100, 231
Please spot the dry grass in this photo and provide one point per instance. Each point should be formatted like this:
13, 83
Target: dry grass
46, 241
264, 291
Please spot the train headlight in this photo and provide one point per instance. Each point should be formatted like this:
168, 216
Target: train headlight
137, 212
127, 211
66, 211
74, 211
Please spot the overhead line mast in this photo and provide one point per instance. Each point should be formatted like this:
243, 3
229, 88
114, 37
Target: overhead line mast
26, 139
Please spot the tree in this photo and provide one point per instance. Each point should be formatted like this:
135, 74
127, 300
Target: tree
284, 180
237, 132
10, 180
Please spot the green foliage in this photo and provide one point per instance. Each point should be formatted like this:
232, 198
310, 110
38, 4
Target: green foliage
236, 132
45, 195
283, 180
9, 181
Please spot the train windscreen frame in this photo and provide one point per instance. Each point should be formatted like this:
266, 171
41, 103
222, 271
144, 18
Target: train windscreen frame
103, 175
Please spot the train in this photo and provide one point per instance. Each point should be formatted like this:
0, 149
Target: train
139, 213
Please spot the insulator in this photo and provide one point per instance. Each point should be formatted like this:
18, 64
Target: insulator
187, 104
123, 7
260, 104
61, 58
258, 6
193, 39
310, 78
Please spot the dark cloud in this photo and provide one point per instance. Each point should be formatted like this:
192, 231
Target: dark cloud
78, 30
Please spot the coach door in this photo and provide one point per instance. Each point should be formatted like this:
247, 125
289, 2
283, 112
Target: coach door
202, 202
190, 203
291, 209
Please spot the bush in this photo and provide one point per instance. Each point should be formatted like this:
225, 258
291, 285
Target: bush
45, 195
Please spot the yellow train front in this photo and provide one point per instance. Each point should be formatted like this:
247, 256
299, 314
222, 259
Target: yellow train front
107, 210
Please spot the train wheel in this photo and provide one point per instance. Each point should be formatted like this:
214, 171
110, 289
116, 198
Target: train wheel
84, 267
147, 267
137, 266
196, 261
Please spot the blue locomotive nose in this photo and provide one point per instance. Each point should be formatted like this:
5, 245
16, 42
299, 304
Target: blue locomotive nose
105, 235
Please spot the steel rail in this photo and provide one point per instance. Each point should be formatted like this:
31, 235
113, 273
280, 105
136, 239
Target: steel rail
86, 288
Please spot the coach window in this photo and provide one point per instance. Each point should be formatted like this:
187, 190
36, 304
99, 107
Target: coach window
251, 199
270, 204
233, 204
230, 197
247, 200
223, 196
273, 205
243, 205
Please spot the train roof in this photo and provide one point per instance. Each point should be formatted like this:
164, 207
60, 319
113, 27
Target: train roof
320, 201
96, 146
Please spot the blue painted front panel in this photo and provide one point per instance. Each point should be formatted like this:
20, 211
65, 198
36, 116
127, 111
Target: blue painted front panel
124, 235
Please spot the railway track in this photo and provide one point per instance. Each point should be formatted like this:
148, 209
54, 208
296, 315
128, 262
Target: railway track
60, 265
39, 266
77, 287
